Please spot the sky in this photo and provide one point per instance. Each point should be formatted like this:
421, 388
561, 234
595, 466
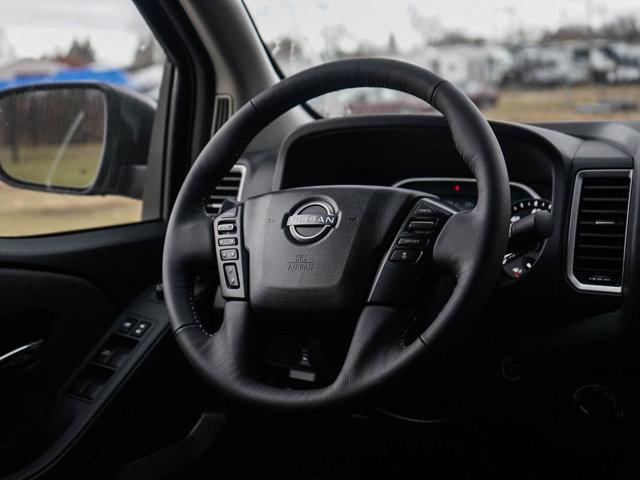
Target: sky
37, 27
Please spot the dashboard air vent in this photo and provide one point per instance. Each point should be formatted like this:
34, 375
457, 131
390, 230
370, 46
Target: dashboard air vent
598, 229
229, 188
222, 111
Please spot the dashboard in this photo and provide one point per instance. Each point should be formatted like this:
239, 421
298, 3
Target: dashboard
407, 153
576, 291
565, 282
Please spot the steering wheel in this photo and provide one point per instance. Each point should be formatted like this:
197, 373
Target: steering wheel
334, 252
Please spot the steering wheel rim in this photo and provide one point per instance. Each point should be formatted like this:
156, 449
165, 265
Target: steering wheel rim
470, 245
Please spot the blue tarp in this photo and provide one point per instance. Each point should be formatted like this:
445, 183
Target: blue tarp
113, 76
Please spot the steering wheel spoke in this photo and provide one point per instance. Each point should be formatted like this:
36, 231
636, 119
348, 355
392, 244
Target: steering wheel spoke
379, 348
410, 253
195, 245
459, 244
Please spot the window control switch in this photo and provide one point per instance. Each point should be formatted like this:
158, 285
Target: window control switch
117, 359
127, 325
140, 329
78, 386
103, 356
92, 390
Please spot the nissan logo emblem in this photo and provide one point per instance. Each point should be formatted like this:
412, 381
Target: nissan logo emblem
312, 221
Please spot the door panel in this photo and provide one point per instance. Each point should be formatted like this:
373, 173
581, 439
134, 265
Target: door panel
68, 314
66, 290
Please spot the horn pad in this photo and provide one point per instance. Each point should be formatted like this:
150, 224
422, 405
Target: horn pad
317, 250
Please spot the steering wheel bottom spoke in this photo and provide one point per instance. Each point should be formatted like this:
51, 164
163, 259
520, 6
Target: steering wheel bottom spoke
379, 348
410, 252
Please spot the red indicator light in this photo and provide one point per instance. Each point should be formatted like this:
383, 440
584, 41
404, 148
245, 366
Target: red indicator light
456, 188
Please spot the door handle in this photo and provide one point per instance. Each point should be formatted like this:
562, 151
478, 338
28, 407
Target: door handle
21, 354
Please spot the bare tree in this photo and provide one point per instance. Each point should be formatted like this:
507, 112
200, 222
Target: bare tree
428, 28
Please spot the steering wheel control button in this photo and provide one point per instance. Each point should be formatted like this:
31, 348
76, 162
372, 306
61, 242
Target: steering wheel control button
424, 211
422, 226
227, 242
412, 242
226, 227
402, 255
410, 250
231, 275
231, 213
312, 221
229, 254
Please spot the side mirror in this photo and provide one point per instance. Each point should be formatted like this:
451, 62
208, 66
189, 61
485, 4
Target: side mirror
86, 138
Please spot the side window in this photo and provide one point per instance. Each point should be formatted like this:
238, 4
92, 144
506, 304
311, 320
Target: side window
79, 84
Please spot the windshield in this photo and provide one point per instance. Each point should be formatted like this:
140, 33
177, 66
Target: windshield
543, 60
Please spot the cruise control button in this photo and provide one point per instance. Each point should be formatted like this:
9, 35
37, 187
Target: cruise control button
227, 242
424, 211
231, 213
422, 226
401, 255
226, 227
229, 254
412, 242
231, 276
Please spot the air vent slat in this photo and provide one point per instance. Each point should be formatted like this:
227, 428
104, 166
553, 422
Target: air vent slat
601, 270
605, 187
602, 247
605, 199
601, 235
222, 111
602, 223
599, 258
604, 210
599, 220
229, 189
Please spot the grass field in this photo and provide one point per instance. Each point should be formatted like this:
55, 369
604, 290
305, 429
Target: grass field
560, 103
77, 166
24, 212
27, 212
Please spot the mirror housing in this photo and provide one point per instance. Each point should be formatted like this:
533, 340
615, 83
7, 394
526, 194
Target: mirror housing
128, 122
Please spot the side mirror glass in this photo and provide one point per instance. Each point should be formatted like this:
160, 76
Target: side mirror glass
53, 138
87, 138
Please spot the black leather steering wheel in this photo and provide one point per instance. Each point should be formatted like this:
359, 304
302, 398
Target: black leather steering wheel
333, 252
